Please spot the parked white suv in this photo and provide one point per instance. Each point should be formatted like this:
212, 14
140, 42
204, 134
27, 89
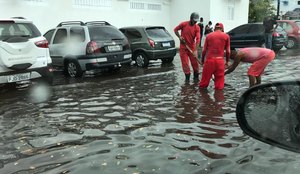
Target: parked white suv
78, 47
24, 52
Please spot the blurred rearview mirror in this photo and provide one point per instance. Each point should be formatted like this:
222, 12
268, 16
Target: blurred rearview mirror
271, 113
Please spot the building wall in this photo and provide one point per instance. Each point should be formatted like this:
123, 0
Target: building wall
286, 5
48, 14
210, 10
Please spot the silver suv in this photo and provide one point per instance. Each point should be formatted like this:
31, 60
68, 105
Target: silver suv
24, 53
80, 47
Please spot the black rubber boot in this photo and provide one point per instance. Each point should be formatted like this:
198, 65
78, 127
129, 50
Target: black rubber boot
187, 78
196, 77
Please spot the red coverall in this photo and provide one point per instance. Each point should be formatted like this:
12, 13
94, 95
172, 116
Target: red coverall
213, 50
191, 35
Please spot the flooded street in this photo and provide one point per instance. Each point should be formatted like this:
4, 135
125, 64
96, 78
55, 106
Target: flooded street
138, 121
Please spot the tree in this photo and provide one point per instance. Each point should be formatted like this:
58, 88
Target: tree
259, 9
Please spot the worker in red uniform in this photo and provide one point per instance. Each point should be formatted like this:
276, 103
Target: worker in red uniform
190, 37
213, 54
259, 57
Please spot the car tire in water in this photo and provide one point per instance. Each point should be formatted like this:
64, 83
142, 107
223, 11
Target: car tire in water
73, 69
167, 60
276, 49
291, 43
141, 59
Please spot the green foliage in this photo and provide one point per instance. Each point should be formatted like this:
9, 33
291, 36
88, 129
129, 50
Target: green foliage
258, 9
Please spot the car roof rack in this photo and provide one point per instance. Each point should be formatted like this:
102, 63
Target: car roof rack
97, 23
18, 17
70, 23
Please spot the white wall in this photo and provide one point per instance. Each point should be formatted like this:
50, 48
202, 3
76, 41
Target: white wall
210, 10
219, 13
47, 16
292, 4
182, 9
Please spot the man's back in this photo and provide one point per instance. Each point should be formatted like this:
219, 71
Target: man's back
215, 44
269, 24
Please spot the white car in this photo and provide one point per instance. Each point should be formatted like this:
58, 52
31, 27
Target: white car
24, 52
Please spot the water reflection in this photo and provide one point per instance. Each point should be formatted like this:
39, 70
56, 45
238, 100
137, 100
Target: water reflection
134, 121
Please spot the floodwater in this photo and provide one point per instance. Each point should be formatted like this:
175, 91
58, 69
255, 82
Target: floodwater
137, 121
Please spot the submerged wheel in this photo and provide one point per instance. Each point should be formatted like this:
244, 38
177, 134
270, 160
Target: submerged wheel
291, 43
141, 59
73, 69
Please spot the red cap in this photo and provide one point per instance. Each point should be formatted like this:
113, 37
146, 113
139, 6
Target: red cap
219, 25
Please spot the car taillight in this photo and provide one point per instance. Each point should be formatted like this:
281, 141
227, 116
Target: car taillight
152, 43
275, 34
92, 47
42, 44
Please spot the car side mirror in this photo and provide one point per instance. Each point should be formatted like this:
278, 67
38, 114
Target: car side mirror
271, 113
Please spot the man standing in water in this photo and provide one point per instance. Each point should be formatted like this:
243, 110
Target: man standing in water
201, 26
213, 51
259, 57
190, 37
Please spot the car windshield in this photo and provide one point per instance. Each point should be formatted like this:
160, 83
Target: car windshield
105, 33
11, 29
298, 23
157, 33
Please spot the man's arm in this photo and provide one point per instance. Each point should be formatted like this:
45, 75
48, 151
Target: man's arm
204, 50
237, 60
228, 50
176, 31
197, 41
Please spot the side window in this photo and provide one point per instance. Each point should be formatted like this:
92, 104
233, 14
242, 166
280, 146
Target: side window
49, 35
133, 34
256, 28
288, 28
60, 36
23, 30
77, 34
241, 29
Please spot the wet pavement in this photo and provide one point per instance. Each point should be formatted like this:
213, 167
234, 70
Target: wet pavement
137, 120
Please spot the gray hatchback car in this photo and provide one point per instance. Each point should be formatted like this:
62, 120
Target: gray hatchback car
150, 43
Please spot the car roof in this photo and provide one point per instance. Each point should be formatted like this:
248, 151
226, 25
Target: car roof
142, 27
288, 20
16, 20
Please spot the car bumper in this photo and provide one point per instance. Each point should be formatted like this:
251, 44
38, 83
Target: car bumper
97, 62
28, 74
160, 54
280, 42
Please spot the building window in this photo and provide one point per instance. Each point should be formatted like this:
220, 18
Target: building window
92, 3
154, 7
36, 2
145, 5
230, 9
137, 5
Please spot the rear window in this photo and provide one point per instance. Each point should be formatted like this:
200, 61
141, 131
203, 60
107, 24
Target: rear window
11, 29
105, 33
157, 32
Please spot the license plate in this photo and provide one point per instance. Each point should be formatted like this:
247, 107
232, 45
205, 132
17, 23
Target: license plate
167, 44
102, 60
114, 48
18, 77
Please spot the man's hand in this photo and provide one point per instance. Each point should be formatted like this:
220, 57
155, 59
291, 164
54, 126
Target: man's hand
182, 40
195, 54
227, 65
